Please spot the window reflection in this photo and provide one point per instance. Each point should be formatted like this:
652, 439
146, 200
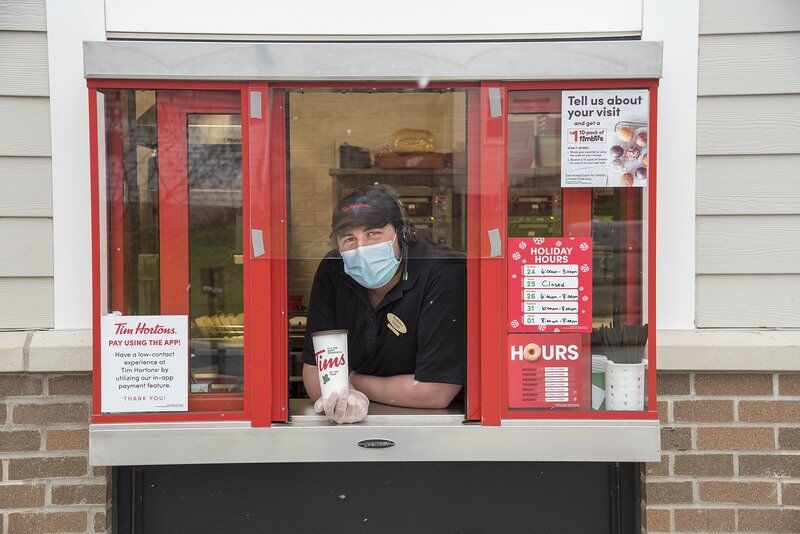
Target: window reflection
173, 189
216, 307
534, 164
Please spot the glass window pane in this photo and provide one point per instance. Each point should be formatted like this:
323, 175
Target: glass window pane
414, 142
171, 168
534, 164
216, 305
548, 311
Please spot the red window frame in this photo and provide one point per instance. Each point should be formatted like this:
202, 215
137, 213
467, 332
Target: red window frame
264, 207
577, 216
172, 230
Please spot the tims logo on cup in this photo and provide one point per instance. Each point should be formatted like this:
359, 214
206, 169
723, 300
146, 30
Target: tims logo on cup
330, 353
333, 359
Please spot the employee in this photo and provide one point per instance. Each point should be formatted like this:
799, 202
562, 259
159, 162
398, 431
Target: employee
402, 302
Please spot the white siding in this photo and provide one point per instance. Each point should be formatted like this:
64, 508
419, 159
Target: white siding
26, 224
414, 19
748, 182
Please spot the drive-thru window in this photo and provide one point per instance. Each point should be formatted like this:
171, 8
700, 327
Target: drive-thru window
215, 193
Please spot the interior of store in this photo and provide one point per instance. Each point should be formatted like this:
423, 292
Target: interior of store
340, 140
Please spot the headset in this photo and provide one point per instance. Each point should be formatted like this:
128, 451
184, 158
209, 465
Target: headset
406, 231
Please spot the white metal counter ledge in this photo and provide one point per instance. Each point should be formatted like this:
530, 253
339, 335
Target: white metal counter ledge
418, 435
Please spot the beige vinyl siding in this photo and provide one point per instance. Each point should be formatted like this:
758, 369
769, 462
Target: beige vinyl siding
728, 183
23, 15
749, 124
746, 244
24, 126
26, 224
23, 63
749, 301
758, 64
27, 302
30, 181
27, 245
748, 182
748, 16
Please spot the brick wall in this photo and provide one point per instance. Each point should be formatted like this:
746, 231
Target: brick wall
730, 454
47, 484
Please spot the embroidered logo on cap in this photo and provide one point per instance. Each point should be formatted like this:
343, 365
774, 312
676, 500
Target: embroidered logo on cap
355, 206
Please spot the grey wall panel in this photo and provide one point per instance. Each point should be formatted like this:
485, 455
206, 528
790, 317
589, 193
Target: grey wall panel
23, 15
26, 187
749, 16
749, 64
23, 64
748, 244
27, 246
748, 185
27, 303
24, 126
748, 301
748, 124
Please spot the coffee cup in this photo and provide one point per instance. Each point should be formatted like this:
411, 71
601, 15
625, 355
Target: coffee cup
330, 353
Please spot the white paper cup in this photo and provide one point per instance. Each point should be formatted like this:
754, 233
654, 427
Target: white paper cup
330, 353
624, 386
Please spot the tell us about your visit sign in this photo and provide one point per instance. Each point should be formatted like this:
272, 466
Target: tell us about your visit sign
144, 362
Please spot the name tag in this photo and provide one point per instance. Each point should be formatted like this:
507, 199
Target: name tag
394, 323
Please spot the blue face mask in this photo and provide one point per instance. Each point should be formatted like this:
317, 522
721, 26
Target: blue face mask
372, 266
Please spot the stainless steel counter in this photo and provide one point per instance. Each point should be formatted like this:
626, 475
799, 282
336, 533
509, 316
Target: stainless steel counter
416, 435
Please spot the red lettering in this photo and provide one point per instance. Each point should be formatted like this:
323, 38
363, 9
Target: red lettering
122, 328
158, 329
328, 363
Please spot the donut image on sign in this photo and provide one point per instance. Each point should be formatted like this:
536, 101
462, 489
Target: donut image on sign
532, 352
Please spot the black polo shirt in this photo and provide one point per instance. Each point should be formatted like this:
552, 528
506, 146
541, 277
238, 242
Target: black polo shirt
430, 299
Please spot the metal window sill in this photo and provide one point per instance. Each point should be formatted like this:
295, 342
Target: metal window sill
418, 436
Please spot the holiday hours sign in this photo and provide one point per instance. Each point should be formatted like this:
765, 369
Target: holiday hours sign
550, 284
144, 363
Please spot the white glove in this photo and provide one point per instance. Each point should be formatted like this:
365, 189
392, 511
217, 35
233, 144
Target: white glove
346, 406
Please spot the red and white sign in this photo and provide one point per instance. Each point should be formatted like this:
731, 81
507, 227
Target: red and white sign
544, 371
550, 284
145, 363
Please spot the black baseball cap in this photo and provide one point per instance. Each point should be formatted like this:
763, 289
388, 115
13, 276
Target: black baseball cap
373, 206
